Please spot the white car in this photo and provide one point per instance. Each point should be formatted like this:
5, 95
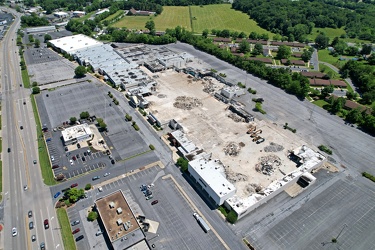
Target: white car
52, 158
71, 162
100, 189
106, 174
14, 231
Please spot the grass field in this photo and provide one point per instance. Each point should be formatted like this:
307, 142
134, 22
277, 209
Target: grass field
113, 15
221, 16
44, 162
325, 69
171, 17
25, 78
321, 103
331, 33
66, 232
324, 56
216, 16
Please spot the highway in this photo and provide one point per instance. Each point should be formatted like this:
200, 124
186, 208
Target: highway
18, 166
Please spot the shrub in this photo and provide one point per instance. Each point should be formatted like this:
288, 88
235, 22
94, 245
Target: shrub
115, 101
36, 90
258, 107
325, 149
241, 85
232, 216
92, 216
142, 111
128, 117
68, 203
368, 176
152, 147
88, 186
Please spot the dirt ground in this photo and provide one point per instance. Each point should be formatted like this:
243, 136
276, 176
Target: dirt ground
210, 128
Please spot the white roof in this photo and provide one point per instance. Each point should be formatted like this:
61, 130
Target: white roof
60, 13
212, 173
71, 44
187, 145
76, 131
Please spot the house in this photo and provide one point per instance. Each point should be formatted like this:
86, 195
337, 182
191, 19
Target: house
251, 41
267, 52
222, 39
135, 12
293, 62
352, 105
78, 13
314, 75
60, 14
265, 60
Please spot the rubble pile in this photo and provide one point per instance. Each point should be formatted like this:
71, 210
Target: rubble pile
273, 147
253, 188
236, 117
187, 103
234, 177
267, 164
208, 87
232, 149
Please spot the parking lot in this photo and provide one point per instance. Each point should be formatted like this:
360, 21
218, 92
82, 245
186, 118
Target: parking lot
177, 227
69, 101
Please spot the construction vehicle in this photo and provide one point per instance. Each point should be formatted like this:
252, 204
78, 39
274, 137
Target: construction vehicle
259, 131
256, 138
251, 129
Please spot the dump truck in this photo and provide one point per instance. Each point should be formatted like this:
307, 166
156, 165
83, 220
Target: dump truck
202, 223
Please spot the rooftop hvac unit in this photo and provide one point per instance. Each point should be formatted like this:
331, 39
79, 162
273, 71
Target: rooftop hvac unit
119, 222
119, 210
111, 204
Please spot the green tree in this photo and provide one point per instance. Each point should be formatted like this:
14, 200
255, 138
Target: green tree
35, 90
47, 37
321, 41
253, 35
244, 47
205, 33
37, 43
74, 194
232, 217
327, 90
340, 47
337, 104
34, 84
73, 120
371, 59
350, 95
183, 164
88, 186
306, 55
150, 25
258, 49
284, 52
354, 116
80, 71
352, 51
84, 115
92, 216
366, 49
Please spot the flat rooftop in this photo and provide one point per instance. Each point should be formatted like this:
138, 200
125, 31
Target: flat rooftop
76, 131
70, 44
119, 221
212, 172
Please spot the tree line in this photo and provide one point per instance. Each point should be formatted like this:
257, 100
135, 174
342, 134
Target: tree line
298, 18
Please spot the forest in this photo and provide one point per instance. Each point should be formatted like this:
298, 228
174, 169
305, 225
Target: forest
298, 18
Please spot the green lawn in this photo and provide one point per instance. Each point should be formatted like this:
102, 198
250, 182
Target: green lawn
324, 56
44, 161
113, 15
320, 103
87, 16
330, 32
216, 16
25, 78
221, 16
325, 69
66, 232
171, 17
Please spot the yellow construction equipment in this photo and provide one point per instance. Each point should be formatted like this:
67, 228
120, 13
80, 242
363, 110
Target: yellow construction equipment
256, 138
259, 131
251, 129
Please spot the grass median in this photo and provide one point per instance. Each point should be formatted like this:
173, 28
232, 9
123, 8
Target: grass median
66, 232
44, 162
25, 78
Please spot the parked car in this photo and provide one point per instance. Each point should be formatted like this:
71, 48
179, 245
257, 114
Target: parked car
30, 214
74, 185
46, 224
21, 127
84, 153
74, 158
71, 162
149, 197
34, 161
52, 158
48, 139
42, 246
76, 231
106, 174
154, 202
78, 156
8, 150
66, 149
100, 189
14, 231
79, 238
55, 166
31, 225
57, 195
113, 161
33, 238
75, 222
83, 158
100, 232
78, 145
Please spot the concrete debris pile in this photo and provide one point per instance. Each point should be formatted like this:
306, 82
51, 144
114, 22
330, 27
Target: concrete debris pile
234, 177
209, 87
232, 149
187, 103
273, 147
267, 164
236, 117
253, 188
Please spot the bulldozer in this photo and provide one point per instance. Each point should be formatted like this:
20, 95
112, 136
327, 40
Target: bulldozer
251, 129
259, 131
256, 138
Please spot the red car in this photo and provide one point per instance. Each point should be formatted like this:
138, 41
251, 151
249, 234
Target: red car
74, 158
154, 202
76, 231
55, 166
74, 185
46, 224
